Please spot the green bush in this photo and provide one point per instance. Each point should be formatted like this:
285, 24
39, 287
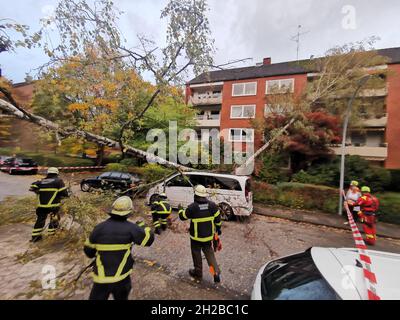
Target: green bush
130, 162
271, 169
116, 167
54, 160
395, 180
152, 172
319, 198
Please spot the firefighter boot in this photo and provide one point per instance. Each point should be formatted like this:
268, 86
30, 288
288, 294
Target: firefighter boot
195, 275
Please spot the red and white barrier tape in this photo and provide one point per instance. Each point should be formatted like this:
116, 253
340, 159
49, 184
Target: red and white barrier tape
45, 168
369, 275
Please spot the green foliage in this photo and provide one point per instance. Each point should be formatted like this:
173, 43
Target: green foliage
319, 198
152, 172
271, 169
116, 167
357, 168
395, 183
17, 210
389, 207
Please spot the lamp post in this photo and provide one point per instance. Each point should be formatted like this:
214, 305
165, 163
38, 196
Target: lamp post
360, 83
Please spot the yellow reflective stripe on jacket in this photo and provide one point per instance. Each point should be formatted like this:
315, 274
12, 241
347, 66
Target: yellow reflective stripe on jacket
147, 236
162, 204
98, 279
50, 203
217, 214
101, 277
196, 221
113, 247
183, 213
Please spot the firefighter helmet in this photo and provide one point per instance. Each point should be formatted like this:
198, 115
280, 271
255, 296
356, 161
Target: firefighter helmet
52, 170
366, 189
354, 183
163, 195
200, 191
122, 206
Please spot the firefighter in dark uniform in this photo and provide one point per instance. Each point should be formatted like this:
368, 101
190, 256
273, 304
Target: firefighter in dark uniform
111, 243
50, 191
160, 211
205, 221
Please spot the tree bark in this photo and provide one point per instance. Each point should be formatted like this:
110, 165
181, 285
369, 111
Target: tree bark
20, 113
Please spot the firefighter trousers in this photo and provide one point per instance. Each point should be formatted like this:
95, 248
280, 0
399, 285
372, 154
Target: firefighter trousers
41, 216
369, 226
160, 220
197, 247
119, 290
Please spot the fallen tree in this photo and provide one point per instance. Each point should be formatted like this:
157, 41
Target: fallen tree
15, 110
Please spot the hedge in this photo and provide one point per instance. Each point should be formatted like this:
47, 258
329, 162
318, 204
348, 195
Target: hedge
319, 198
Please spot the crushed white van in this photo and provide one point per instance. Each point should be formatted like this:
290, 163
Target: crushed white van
232, 193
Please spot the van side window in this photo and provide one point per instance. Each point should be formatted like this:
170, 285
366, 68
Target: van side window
223, 183
195, 180
178, 181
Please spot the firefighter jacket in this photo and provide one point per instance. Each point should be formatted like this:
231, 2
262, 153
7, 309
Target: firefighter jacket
111, 243
50, 191
368, 203
161, 207
205, 219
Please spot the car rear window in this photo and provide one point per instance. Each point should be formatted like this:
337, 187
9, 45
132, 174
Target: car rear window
295, 278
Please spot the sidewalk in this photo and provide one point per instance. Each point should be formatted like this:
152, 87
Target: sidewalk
385, 230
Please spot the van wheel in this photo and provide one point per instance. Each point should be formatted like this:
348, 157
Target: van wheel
226, 212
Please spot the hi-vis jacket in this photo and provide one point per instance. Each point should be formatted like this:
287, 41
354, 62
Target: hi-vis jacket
205, 220
111, 243
161, 207
49, 191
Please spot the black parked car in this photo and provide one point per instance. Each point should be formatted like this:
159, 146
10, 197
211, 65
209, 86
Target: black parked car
16, 165
117, 181
2, 159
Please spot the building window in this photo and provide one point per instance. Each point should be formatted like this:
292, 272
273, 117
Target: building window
241, 135
279, 109
279, 86
244, 89
243, 112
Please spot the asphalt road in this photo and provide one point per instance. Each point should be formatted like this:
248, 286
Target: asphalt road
15, 185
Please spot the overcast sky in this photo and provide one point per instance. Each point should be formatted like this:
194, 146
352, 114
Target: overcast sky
241, 28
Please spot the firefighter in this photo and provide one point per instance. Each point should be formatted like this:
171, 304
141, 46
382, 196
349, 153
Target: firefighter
369, 206
160, 211
50, 191
111, 243
205, 222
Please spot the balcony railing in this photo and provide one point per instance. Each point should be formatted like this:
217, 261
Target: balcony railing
206, 99
364, 151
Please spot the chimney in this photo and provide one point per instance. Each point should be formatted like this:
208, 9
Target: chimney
267, 61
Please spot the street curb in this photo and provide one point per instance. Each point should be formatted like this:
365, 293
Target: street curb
294, 219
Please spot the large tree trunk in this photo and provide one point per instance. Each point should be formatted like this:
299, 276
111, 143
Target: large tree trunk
22, 114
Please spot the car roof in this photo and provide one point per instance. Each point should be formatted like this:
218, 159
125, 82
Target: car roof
212, 174
334, 264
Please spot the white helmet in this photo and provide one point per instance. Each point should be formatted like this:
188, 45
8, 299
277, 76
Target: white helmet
53, 170
200, 191
123, 206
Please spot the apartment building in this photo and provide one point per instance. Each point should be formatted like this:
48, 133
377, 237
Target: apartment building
230, 99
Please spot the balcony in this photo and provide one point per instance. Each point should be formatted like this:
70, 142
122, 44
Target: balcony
375, 123
207, 98
370, 153
207, 119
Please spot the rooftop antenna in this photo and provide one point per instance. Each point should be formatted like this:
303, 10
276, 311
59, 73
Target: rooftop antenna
296, 39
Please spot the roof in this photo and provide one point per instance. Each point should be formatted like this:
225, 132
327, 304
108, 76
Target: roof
276, 69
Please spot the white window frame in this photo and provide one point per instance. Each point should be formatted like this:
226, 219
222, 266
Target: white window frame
244, 89
241, 135
280, 85
243, 106
284, 111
